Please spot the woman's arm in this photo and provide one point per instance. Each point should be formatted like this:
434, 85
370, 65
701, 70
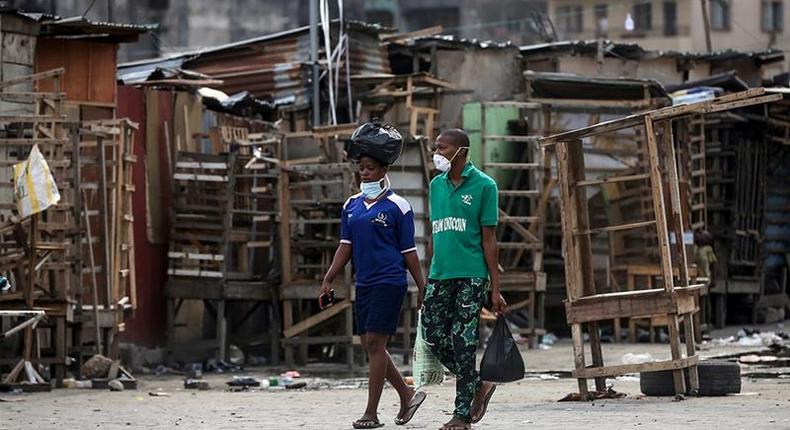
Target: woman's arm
413, 264
342, 255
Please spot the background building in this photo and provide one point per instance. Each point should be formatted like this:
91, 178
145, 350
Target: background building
186, 25
673, 25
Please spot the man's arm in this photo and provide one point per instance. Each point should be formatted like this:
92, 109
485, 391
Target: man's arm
491, 252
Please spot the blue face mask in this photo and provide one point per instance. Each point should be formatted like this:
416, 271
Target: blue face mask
371, 190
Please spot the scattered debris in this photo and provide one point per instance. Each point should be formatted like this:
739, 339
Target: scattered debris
631, 358
610, 393
8, 400
97, 366
754, 358
158, 394
115, 385
236, 356
244, 382
195, 384
549, 339
296, 385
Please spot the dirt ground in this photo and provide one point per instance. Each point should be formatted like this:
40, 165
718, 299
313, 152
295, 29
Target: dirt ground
764, 403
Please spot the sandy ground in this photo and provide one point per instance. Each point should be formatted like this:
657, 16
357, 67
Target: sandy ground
528, 404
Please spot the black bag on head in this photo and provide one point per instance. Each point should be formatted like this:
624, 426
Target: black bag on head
380, 141
502, 360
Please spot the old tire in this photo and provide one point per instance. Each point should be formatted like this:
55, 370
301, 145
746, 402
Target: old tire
716, 378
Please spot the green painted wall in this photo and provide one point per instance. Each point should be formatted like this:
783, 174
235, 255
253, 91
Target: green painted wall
497, 118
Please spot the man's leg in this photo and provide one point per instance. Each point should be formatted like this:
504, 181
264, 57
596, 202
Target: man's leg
437, 320
465, 338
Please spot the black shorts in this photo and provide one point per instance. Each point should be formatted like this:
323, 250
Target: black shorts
377, 309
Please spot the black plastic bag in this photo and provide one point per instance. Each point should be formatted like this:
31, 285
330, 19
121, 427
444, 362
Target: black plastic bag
502, 360
380, 141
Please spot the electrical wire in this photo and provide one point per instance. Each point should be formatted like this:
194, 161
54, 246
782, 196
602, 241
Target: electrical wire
88, 9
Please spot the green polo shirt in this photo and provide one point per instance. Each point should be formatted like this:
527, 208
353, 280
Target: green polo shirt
457, 217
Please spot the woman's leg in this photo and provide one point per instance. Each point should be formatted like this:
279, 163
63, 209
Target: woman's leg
378, 362
391, 374
395, 379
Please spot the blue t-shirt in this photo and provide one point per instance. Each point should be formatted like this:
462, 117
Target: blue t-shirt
379, 235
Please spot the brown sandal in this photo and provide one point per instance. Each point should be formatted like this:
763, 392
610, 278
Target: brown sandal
485, 405
414, 404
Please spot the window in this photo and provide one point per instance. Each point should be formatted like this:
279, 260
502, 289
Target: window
601, 20
670, 18
643, 16
720, 15
570, 19
773, 16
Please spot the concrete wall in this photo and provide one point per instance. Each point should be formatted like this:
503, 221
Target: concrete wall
487, 74
745, 32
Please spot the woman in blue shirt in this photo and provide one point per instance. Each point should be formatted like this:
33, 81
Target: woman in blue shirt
377, 234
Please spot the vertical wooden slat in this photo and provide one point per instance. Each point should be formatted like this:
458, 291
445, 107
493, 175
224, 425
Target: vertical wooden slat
586, 270
663, 243
676, 207
659, 210
573, 281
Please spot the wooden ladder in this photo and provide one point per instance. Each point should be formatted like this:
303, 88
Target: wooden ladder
527, 277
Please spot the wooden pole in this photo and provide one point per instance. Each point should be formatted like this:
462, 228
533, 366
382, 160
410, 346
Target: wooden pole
95, 289
31, 285
706, 23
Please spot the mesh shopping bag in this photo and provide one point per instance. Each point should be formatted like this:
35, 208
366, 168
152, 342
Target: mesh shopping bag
426, 367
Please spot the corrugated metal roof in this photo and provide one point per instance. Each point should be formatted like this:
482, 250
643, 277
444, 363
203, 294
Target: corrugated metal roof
275, 66
81, 27
729, 81
451, 42
633, 51
568, 85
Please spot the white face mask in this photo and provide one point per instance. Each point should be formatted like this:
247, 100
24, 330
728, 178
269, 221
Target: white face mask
371, 190
442, 163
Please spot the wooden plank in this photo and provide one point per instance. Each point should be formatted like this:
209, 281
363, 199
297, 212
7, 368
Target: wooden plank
520, 245
522, 105
199, 177
32, 119
201, 165
675, 204
428, 31
515, 166
622, 227
625, 369
196, 256
195, 273
568, 220
578, 357
519, 193
678, 377
34, 77
613, 179
659, 210
30, 96
505, 138
715, 105
316, 319
691, 351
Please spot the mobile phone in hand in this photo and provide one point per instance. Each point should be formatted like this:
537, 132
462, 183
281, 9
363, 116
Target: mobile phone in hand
326, 300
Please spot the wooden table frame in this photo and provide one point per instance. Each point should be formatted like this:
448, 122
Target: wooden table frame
676, 298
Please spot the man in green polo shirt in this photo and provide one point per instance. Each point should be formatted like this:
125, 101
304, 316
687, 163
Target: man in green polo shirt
464, 206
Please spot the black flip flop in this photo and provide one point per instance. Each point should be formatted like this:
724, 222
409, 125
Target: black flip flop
367, 424
485, 405
414, 404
